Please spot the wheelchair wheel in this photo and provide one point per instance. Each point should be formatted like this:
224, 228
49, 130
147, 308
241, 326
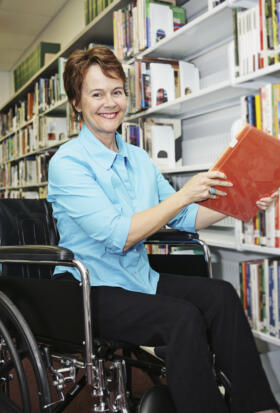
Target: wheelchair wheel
157, 400
21, 365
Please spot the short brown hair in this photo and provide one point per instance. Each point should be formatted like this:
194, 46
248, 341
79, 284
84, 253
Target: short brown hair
79, 62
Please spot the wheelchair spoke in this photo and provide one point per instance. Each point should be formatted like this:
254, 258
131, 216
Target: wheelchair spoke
13, 367
22, 370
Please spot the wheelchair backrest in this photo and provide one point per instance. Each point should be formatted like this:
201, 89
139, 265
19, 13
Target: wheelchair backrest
27, 222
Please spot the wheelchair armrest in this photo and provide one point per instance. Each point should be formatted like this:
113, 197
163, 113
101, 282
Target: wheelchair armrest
35, 253
171, 236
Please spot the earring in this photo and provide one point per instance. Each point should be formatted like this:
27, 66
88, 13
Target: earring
78, 116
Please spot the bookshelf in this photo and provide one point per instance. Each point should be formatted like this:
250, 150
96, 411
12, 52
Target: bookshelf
180, 44
219, 94
94, 31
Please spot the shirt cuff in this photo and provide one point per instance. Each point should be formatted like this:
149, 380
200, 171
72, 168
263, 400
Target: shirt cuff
191, 217
119, 236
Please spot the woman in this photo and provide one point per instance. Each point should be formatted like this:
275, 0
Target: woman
107, 197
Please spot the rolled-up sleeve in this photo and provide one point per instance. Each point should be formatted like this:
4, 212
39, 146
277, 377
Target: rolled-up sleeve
185, 219
77, 193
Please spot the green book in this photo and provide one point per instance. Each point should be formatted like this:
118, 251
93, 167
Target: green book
179, 16
86, 11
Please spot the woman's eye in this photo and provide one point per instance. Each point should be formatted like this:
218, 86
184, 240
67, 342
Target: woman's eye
96, 95
118, 92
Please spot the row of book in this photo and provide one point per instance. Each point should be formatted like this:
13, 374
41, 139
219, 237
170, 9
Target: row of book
143, 23
23, 193
257, 36
152, 82
264, 228
165, 249
160, 137
260, 294
40, 56
31, 170
46, 93
262, 110
33, 137
94, 7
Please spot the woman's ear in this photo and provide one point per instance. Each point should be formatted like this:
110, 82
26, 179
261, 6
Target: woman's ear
77, 107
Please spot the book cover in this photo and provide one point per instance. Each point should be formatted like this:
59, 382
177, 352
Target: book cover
163, 146
189, 78
251, 163
162, 83
161, 22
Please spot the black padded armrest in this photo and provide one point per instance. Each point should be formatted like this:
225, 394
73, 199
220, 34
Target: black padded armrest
35, 253
171, 236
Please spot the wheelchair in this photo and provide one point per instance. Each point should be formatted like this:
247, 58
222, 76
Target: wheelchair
48, 352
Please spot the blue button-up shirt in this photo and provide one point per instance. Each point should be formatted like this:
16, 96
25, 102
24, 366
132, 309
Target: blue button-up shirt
94, 193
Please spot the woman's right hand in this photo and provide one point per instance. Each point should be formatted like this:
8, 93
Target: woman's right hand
197, 188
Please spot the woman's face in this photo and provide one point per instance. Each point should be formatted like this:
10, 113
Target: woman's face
103, 103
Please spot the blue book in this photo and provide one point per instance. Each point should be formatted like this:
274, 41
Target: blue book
251, 109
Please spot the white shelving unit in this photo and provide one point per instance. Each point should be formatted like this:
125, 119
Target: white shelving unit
181, 44
205, 100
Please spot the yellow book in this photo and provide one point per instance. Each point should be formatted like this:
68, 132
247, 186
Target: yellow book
258, 111
274, 29
276, 110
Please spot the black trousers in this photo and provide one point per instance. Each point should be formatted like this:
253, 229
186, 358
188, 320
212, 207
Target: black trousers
188, 315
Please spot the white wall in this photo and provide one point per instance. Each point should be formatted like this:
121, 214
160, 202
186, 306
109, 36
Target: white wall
5, 87
62, 29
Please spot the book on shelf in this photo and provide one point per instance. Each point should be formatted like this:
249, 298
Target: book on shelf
160, 137
51, 129
163, 141
256, 33
160, 21
251, 163
143, 23
162, 145
33, 62
132, 133
260, 292
152, 82
189, 78
162, 83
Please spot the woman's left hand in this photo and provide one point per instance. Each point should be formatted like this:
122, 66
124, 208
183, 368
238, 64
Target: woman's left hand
265, 203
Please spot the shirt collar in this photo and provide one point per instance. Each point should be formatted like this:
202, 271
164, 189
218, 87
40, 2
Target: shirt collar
99, 151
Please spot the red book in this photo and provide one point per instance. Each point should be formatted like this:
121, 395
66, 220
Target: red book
252, 163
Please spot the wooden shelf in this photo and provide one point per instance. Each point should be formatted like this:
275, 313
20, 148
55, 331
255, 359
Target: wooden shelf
39, 150
23, 186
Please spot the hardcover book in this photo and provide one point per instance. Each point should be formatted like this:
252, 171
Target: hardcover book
251, 163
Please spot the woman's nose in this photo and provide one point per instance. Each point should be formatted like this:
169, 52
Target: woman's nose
109, 100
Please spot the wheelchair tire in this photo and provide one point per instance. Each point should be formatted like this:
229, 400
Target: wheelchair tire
157, 400
18, 352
